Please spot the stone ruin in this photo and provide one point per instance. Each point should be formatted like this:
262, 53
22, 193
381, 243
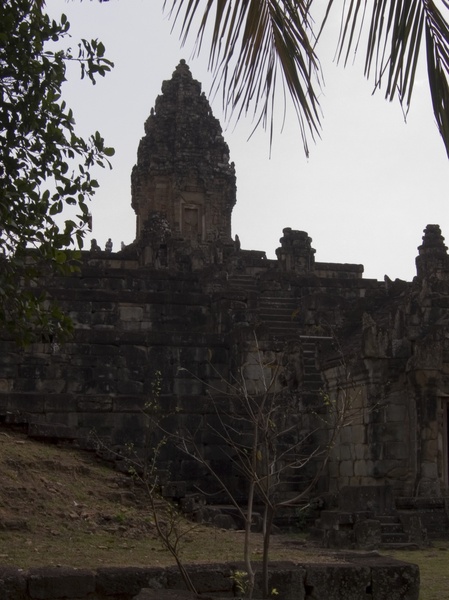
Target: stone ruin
185, 304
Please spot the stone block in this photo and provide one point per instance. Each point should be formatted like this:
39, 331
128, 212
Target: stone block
60, 403
224, 522
429, 450
338, 538
48, 583
337, 581
129, 387
360, 468
413, 527
358, 434
174, 489
192, 470
26, 403
187, 387
378, 499
13, 584
369, 469
331, 519
206, 578
134, 354
346, 435
104, 350
51, 386
196, 405
346, 468
429, 470
401, 348
9, 371
286, 580
396, 450
128, 403
345, 452
395, 580
6, 385
367, 534
94, 403
396, 413
68, 419
131, 313
361, 452
128, 581
51, 431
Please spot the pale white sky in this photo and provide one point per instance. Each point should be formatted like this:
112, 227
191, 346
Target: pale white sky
371, 184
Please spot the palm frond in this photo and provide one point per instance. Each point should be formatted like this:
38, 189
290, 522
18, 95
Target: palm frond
398, 31
257, 44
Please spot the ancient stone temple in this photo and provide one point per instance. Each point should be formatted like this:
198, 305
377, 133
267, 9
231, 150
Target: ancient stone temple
359, 366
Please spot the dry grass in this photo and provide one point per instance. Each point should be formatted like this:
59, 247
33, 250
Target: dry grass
59, 506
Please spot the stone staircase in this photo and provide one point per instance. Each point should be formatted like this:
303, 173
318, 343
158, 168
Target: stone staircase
278, 314
392, 532
248, 283
368, 517
432, 513
337, 529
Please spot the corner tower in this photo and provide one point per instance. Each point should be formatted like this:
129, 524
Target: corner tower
183, 185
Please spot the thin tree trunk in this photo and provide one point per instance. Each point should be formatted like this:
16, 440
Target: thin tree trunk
269, 516
247, 545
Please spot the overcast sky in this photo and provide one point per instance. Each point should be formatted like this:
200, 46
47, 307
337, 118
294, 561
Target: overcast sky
370, 186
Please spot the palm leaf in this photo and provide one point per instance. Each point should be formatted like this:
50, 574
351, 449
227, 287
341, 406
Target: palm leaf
398, 31
255, 45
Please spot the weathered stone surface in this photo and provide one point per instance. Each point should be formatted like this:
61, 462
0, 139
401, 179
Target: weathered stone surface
52, 431
395, 581
285, 581
47, 583
128, 581
335, 582
214, 578
13, 584
368, 534
378, 499
359, 576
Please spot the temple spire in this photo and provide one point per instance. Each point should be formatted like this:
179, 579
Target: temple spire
183, 175
432, 258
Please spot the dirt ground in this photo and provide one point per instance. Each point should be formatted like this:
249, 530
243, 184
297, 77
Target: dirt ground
60, 506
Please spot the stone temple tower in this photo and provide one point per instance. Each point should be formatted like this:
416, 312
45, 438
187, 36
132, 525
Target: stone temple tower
183, 185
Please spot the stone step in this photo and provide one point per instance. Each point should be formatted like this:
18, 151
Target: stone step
420, 503
388, 519
243, 283
265, 297
277, 315
399, 546
271, 306
389, 528
393, 538
287, 304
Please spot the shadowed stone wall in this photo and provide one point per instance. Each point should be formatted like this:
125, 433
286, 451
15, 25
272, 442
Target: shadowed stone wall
362, 576
187, 306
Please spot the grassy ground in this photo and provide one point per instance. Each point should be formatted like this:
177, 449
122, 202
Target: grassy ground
433, 566
62, 507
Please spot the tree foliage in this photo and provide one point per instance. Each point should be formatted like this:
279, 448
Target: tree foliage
44, 165
258, 44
